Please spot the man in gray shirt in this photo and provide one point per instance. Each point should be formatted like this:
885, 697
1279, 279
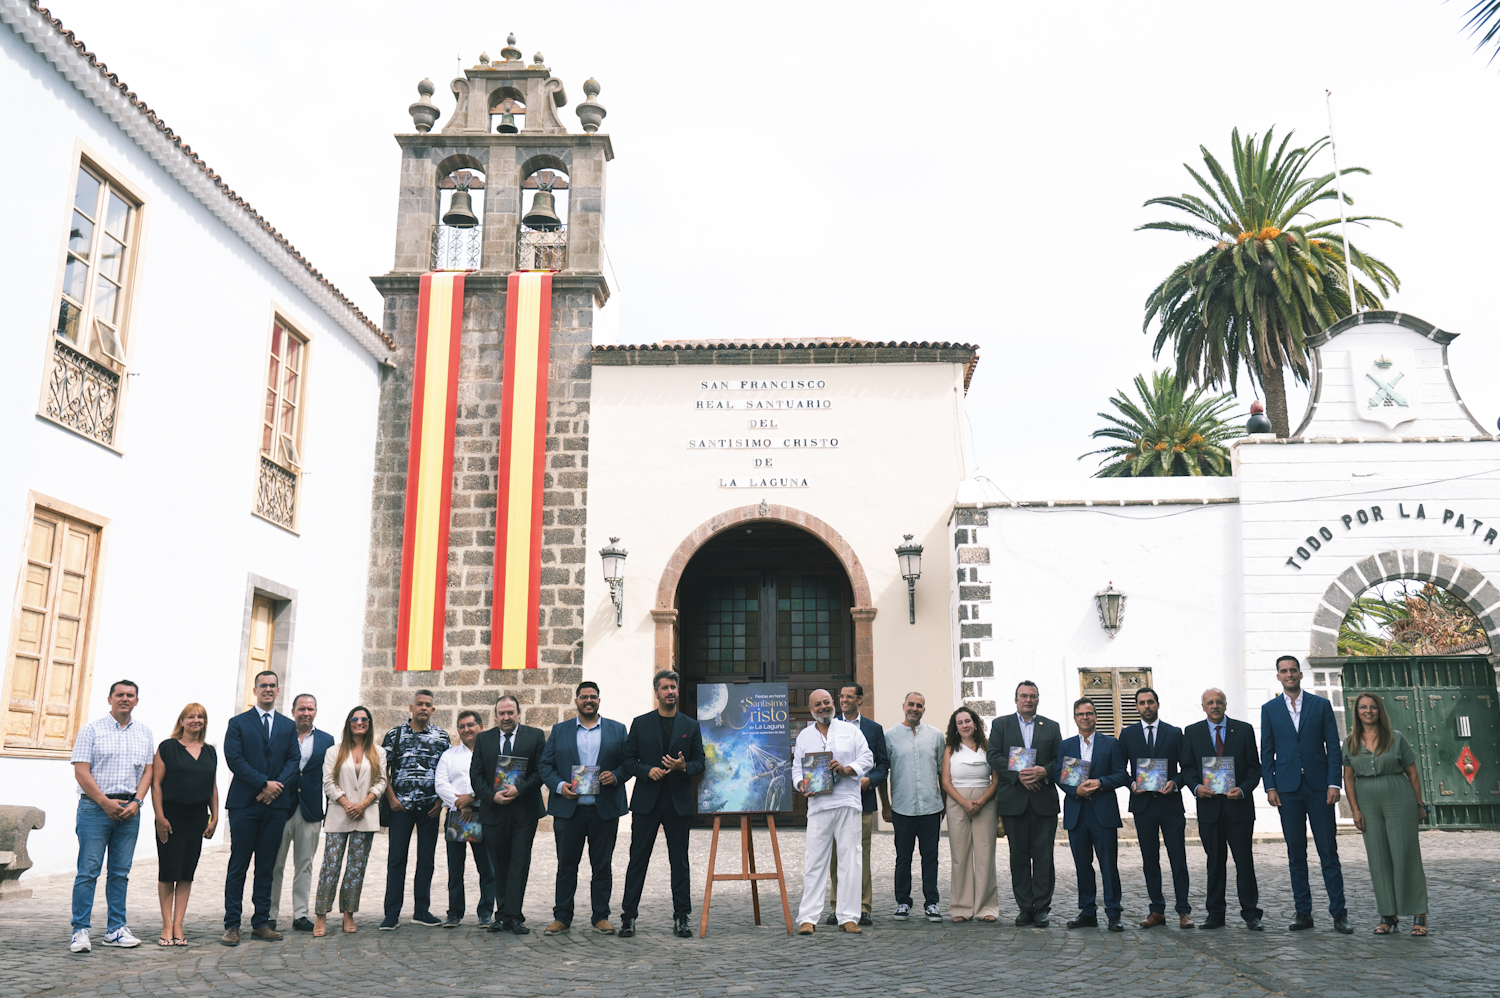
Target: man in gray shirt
914, 803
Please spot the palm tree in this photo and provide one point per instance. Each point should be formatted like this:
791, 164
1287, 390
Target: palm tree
1269, 281
1168, 432
1485, 16
1425, 621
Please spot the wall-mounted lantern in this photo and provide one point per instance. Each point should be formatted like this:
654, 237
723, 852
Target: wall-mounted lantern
910, 557
614, 574
1111, 605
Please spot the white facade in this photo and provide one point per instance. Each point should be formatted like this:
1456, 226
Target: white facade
182, 552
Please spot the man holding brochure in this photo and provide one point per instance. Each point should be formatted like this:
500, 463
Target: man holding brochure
1153, 748
507, 780
1090, 767
829, 759
1221, 766
1023, 757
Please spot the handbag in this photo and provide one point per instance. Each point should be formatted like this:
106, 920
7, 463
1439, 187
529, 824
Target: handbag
393, 767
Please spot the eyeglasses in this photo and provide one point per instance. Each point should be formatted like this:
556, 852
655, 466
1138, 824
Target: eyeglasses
358, 720
265, 686
587, 698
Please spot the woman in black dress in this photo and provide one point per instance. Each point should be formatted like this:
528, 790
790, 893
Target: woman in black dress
185, 793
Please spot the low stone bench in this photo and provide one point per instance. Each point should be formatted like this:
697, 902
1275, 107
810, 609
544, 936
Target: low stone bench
16, 823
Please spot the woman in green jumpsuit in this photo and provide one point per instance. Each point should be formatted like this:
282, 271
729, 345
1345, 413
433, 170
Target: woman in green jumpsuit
1385, 793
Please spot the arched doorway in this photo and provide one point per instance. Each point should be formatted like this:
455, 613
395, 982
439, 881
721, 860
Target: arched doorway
1415, 627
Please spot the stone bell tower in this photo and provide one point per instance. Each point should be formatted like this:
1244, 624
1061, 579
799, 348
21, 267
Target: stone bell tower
501, 186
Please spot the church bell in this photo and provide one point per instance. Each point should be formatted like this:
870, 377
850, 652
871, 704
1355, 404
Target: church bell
543, 213
460, 214
508, 124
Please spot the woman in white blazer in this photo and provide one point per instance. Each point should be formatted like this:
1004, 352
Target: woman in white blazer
353, 780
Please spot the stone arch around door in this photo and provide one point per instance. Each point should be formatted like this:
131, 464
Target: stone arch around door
1462, 580
665, 610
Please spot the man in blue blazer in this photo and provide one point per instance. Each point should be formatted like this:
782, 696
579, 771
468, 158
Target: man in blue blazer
261, 750
1091, 815
664, 751
1302, 768
1226, 820
300, 837
579, 818
1159, 814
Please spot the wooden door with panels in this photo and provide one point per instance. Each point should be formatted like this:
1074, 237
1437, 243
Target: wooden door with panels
51, 633
262, 637
1113, 694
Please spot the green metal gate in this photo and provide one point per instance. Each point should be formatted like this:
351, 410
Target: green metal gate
1447, 708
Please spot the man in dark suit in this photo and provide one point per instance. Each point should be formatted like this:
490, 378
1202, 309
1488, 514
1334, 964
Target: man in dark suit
1159, 814
300, 836
579, 818
1091, 815
509, 815
851, 698
1027, 801
1226, 822
261, 750
663, 752
1303, 767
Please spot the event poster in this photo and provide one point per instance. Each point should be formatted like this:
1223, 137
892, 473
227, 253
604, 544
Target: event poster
747, 748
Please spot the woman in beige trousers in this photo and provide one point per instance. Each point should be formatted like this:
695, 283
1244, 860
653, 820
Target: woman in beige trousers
970, 788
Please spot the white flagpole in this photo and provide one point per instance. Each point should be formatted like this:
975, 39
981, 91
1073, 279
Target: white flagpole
1338, 186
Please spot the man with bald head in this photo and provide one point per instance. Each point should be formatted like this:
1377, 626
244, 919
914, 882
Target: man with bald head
833, 816
1226, 821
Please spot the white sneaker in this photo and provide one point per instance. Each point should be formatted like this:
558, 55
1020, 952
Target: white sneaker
122, 938
80, 943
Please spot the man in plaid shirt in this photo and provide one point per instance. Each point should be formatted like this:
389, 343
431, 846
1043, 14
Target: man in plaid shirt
112, 763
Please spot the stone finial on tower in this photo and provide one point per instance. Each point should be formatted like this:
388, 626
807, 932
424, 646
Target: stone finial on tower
590, 111
510, 53
424, 113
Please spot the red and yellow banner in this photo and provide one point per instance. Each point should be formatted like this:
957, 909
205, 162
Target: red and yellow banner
523, 434
429, 473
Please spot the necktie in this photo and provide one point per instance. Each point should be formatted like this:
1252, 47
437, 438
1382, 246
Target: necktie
1151, 741
1219, 740
507, 746
267, 718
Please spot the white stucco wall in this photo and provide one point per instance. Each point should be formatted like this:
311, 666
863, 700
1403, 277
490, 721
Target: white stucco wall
893, 473
182, 540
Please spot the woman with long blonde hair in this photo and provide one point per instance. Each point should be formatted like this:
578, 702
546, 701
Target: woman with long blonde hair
185, 796
353, 779
1385, 794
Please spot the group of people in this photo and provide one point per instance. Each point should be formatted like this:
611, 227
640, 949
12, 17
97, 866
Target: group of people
483, 795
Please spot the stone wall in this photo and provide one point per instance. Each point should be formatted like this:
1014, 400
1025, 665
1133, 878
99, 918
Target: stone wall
975, 628
546, 692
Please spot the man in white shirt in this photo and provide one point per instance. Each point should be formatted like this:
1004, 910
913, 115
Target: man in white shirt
457, 794
833, 816
300, 836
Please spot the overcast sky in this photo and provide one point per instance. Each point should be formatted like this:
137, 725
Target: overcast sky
966, 172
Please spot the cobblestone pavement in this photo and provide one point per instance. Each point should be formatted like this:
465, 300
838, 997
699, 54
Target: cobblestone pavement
1462, 957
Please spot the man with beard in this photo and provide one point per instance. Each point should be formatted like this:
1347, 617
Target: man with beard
833, 816
509, 813
664, 751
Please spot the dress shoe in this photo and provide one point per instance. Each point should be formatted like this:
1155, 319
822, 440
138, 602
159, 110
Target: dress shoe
1212, 922
1041, 921
265, 934
1183, 922
832, 919
806, 929
865, 919
1301, 922
231, 937
604, 928
303, 924
627, 927
1084, 922
500, 925
1341, 924
556, 929
851, 927
1255, 925
680, 927
1115, 925
520, 928
1025, 918
1154, 919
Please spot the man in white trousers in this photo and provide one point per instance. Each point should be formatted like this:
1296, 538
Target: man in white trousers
300, 836
833, 816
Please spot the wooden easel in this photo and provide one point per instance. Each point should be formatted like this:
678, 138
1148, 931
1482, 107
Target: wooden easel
747, 871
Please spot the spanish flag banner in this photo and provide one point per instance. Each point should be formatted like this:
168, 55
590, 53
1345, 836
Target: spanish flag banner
523, 434
429, 473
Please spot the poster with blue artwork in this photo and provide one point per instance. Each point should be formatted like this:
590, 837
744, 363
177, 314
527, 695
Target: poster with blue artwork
747, 748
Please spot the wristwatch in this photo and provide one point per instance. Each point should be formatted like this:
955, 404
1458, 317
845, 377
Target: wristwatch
137, 802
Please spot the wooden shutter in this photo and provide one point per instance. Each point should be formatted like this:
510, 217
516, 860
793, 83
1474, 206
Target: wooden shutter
51, 632
262, 634
1113, 694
